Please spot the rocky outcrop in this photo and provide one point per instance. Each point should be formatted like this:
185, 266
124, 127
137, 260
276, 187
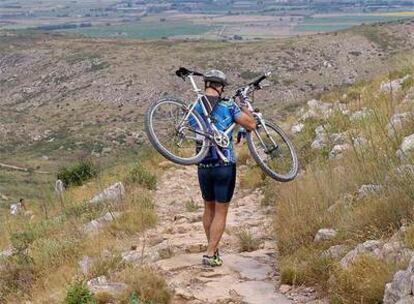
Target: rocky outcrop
325, 234
398, 121
392, 250
102, 285
372, 247
316, 109
393, 85
295, 129
401, 289
366, 190
94, 225
338, 150
406, 147
113, 193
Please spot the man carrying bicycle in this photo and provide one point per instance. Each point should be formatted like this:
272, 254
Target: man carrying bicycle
217, 178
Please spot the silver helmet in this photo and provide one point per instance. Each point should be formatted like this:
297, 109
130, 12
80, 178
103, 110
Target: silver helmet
215, 76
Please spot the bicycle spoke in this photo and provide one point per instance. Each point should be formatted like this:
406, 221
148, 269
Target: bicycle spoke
276, 157
180, 140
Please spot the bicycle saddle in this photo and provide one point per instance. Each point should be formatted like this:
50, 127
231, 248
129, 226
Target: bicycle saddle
183, 72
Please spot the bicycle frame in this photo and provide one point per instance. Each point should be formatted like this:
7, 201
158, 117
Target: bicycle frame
243, 95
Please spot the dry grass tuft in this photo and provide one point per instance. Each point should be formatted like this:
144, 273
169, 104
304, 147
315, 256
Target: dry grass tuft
362, 282
149, 286
247, 242
326, 195
252, 178
191, 205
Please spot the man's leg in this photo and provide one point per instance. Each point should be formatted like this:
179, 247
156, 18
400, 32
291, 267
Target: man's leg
209, 209
217, 226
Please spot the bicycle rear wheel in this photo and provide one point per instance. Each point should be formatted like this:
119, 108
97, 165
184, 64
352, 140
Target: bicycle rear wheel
174, 137
273, 152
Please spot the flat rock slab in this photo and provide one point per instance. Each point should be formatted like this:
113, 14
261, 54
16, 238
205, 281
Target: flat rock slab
259, 292
179, 262
248, 268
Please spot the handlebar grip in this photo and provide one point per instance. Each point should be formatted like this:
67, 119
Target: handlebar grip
257, 81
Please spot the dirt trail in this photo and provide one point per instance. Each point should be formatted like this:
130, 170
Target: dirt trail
245, 277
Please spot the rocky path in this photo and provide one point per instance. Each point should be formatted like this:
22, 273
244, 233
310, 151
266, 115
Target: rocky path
177, 245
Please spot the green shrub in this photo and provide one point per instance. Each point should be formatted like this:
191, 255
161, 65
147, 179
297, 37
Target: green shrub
79, 293
22, 240
140, 175
77, 174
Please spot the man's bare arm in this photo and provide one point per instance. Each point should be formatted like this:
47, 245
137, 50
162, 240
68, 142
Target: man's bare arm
246, 119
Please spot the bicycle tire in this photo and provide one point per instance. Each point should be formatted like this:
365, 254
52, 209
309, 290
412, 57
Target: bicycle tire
273, 174
149, 130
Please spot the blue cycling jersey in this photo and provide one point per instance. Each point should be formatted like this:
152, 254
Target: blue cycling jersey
223, 114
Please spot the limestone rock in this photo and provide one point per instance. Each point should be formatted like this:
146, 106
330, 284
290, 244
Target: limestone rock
335, 251
6, 253
285, 288
196, 248
366, 190
316, 109
295, 129
359, 141
372, 247
398, 121
94, 225
393, 85
337, 151
101, 285
407, 146
325, 234
84, 265
113, 193
399, 288
59, 187
321, 138
406, 300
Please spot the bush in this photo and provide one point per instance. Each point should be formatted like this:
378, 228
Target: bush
22, 240
79, 293
362, 282
77, 174
140, 175
17, 277
146, 284
52, 252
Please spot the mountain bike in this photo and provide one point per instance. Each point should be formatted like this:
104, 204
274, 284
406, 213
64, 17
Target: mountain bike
183, 136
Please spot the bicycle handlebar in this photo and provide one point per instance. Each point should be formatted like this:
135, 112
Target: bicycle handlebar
260, 79
183, 73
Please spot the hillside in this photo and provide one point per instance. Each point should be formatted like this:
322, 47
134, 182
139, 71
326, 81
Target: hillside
64, 99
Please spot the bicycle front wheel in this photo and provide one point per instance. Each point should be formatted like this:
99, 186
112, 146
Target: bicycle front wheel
178, 139
273, 152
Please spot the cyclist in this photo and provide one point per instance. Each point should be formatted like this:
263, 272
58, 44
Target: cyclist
217, 179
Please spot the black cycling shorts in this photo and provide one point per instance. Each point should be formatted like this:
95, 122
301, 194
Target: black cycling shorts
217, 183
